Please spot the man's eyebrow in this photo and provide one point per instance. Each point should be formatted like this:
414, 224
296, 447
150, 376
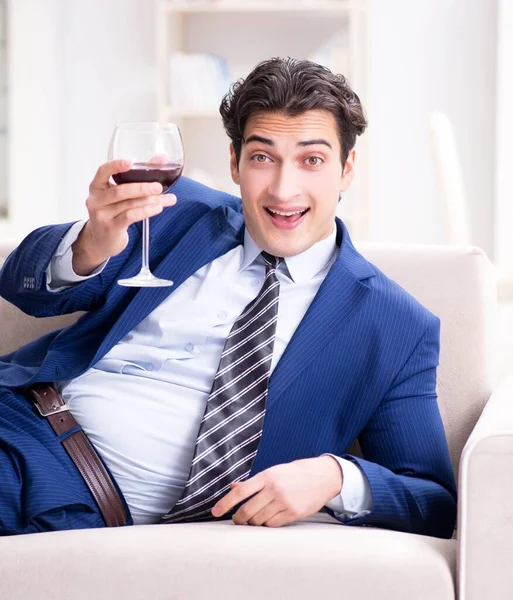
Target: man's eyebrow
315, 142
269, 142
259, 138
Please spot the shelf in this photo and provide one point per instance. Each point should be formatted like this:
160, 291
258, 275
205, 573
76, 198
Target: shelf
190, 113
305, 6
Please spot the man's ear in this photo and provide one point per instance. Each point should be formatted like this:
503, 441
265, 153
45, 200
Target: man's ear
348, 172
234, 169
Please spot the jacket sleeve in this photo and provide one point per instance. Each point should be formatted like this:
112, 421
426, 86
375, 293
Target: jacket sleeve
23, 275
406, 458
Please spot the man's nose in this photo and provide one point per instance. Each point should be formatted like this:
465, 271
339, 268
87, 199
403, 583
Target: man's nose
285, 184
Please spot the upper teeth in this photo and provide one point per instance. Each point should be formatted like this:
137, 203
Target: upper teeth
285, 214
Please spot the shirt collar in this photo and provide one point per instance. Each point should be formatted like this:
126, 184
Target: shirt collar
301, 267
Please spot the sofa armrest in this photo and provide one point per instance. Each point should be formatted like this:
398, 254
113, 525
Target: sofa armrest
486, 502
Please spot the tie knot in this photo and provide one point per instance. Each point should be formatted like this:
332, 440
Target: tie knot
270, 260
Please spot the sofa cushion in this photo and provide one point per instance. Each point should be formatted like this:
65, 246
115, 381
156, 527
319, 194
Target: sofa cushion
302, 561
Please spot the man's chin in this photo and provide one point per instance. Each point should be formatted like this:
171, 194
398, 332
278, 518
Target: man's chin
286, 248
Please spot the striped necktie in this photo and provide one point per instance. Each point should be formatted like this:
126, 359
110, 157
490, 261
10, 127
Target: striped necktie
231, 427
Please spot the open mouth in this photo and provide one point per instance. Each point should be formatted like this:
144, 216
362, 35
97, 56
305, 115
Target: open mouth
286, 219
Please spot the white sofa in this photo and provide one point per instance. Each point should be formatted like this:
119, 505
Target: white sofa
310, 560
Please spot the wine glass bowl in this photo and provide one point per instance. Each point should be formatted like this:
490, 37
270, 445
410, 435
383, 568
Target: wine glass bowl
166, 173
156, 152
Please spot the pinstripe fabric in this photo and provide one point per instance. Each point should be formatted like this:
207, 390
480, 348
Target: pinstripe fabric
231, 428
41, 489
361, 364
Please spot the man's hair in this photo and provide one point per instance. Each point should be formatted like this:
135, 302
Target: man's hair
292, 87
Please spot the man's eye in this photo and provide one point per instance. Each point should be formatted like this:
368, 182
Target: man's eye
314, 161
261, 158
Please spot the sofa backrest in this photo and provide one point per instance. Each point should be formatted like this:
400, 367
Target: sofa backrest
455, 283
17, 328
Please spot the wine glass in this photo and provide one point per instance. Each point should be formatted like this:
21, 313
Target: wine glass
156, 152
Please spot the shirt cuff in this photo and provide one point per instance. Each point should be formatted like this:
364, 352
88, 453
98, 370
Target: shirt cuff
355, 498
59, 273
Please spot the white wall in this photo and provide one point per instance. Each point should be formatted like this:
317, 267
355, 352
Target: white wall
108, 76
33, 53
430, 55
75, 69
504, 193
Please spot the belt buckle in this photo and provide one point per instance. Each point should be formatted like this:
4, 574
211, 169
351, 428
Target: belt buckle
44, 412
50, 405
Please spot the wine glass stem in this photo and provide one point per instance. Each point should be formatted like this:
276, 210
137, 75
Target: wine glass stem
146, 245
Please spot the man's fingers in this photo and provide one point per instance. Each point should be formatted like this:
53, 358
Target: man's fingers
279, 519
134, 215
159, 159
127, 191
105, 172
267, 512
113, 211
238, 494
251, 507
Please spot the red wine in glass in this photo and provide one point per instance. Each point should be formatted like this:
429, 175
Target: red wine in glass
166, 174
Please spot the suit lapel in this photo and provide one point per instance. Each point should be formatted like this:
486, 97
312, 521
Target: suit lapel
215, 234
338, 297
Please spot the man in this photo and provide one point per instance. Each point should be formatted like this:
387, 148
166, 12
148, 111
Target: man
237, 392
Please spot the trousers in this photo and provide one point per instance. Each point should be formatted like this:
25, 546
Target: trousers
40, 487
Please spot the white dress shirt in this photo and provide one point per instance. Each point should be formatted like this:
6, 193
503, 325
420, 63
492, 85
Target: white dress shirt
141, 405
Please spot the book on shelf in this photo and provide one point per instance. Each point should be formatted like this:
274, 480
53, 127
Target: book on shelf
197, 81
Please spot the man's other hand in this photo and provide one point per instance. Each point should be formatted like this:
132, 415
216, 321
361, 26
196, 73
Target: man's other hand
284, 493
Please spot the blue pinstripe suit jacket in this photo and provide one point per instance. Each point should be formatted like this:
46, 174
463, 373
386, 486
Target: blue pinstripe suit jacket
361, 365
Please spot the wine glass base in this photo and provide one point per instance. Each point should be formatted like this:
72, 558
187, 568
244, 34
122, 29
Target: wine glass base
145, 280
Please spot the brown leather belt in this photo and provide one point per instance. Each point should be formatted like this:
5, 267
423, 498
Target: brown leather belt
52, 407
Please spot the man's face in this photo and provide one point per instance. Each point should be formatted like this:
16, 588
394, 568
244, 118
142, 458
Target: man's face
290, 177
